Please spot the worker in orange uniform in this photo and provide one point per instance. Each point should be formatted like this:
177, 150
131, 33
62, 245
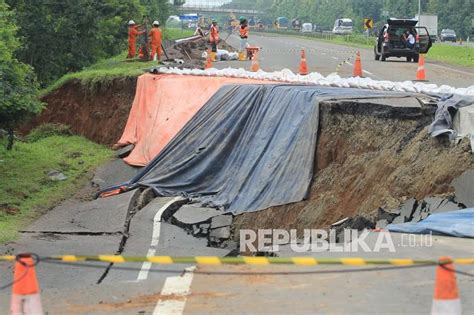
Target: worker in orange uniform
214, 39
155, 41
244, 35
133, 32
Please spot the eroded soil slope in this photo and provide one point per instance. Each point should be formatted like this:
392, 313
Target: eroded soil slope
97, 112
369, 157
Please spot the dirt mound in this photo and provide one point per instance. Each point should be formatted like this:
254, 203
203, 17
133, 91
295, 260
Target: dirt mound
368, 157
98, 113
191, 52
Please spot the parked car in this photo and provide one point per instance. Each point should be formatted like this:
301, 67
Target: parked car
448, 35
306, 28
390, 40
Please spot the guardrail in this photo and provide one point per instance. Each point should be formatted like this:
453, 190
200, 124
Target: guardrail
326, 35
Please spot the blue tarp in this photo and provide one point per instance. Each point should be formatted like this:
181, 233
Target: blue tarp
459, 223
250, 147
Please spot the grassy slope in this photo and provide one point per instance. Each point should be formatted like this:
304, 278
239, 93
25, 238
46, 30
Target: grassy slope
25, 188
115, 67
455, 55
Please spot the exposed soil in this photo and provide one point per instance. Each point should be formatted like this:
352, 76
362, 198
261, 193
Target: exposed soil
99, 113
368, 157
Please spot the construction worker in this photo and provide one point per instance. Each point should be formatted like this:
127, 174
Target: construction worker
214, 39
133, 32
244, 35
155, 41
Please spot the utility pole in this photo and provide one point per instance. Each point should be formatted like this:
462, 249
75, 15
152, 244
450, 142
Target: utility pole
419, 9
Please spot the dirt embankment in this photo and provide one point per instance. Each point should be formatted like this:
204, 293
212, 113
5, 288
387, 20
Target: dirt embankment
97, 112
368, 157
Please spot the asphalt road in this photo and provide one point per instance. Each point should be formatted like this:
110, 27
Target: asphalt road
100, 227
279, 52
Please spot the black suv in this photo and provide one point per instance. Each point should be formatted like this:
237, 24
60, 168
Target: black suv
390, 40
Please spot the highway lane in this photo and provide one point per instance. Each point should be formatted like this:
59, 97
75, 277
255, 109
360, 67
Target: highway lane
279, 52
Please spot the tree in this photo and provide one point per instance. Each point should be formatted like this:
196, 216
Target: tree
66, 36
18, 86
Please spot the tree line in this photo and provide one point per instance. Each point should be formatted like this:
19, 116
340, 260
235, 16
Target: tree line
41, 40
453, 14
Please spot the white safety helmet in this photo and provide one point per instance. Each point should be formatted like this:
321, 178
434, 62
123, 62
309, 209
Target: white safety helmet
131, 22
156, 23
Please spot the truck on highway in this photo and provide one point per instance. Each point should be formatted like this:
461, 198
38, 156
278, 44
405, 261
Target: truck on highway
430, 21
342, 27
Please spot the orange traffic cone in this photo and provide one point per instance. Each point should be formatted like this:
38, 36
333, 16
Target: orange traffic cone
358, 66
25, 293
420, 72
255, 66
209, 60
446, 294
303, 63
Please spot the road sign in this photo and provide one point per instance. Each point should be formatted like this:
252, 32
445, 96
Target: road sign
189, 17
368, 24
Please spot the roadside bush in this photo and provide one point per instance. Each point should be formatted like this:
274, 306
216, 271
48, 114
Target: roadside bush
48, 130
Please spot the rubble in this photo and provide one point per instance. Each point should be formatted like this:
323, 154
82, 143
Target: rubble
414, 210
205, 222
189, 54
189, 215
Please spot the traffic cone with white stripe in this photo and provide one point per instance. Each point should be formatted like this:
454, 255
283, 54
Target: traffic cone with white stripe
420, 72
446, 294
303, 63
357, 66
255, 66
25, 298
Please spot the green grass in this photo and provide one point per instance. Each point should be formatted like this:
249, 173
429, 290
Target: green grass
25, 189
455, 55
112, 68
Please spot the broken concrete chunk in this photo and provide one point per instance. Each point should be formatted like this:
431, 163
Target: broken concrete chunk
189, 215
406, 211
464, 186
125, 151
437, 204
204, 225
196, 230
221, 221
388, 216
222, 233
56, 175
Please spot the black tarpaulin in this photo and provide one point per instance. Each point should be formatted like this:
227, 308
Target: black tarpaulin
249, 148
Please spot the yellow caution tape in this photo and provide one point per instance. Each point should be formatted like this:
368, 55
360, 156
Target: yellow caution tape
248, 260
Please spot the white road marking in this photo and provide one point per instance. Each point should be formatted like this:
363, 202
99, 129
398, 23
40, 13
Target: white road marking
350, 64
365, 71
335, 58
178, 288
155, 239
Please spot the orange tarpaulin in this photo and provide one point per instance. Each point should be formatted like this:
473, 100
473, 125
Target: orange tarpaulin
163, 105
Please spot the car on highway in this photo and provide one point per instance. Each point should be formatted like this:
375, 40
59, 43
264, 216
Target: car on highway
448, 35
306, 28
390, 41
